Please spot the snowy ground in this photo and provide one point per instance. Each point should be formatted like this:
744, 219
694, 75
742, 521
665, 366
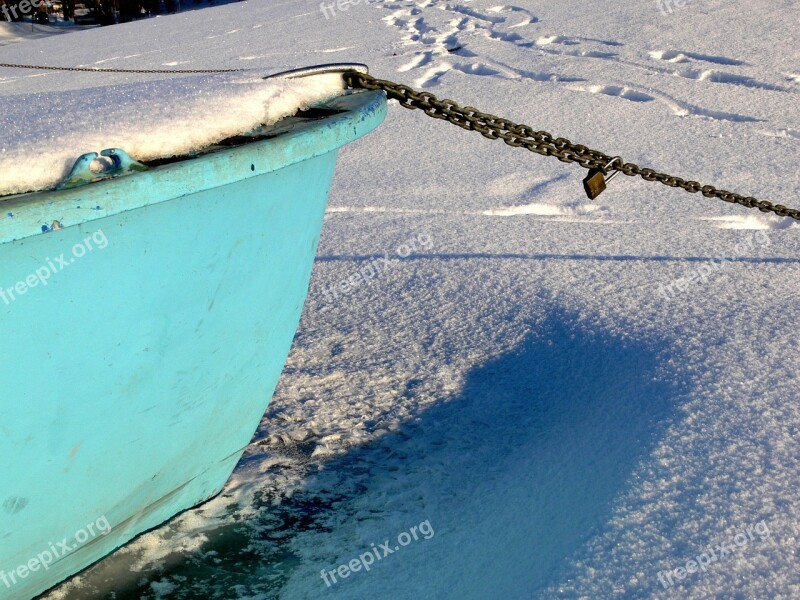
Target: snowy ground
13, 33
526, 381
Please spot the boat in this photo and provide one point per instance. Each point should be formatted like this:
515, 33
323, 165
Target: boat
143, 335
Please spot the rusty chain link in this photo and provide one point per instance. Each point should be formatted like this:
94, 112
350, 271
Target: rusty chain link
541, 142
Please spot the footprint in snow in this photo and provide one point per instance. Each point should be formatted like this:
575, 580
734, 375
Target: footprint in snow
676, 56
615, 91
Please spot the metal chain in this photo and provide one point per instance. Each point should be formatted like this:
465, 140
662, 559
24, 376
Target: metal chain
140, 71
494, 127
542, 142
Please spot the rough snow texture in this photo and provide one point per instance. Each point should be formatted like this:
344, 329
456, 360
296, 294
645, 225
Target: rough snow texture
520, 381
42, 134
13, 33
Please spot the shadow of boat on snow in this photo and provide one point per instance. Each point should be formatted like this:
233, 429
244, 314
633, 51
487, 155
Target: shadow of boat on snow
514, 475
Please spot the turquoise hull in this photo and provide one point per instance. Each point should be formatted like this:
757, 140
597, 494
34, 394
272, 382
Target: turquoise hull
134, 371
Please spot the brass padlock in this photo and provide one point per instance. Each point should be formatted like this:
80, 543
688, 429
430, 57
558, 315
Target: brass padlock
595, 182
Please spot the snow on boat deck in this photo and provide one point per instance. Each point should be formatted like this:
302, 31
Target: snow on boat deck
577, 395
44, 133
